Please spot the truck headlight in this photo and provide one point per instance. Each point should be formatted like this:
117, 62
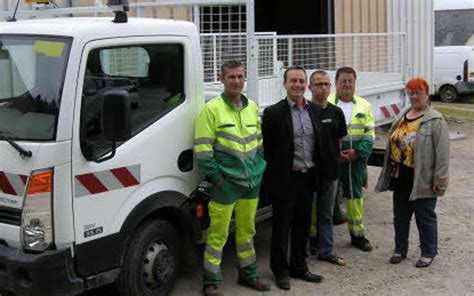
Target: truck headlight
37, 217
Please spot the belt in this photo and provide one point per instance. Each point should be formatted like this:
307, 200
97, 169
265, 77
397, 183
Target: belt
303, 171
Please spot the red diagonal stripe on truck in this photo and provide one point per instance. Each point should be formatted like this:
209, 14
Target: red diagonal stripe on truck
23, 178
395, 108
91, 183
5, 184
125, 177
385, 112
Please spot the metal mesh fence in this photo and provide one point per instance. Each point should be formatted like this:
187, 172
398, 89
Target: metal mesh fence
223, 25
364, 52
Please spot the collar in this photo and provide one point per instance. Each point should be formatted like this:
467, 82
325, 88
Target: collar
245, 101
292, 103
337, 100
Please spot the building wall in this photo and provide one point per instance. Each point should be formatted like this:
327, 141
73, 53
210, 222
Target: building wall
416, 18
360, 16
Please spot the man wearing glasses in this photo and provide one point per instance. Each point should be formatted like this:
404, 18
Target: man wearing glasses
333, 129
356, 149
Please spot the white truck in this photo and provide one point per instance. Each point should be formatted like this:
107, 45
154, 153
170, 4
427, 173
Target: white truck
97, 177
76, 210
453, 72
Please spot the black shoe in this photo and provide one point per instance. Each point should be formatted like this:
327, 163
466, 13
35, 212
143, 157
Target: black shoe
253, 283
397, 258
422, 264
307, 276
283, 282
361, 243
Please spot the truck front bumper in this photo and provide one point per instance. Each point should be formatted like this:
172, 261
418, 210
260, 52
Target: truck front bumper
48, 273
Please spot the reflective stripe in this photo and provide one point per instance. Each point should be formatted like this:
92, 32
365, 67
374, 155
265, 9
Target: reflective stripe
236, 153
245, 247
213, 252
361, 126
204, 154
356, 126
248, 261
234, 138
236, 146
355, 223
211, 267
200, 141
358, 138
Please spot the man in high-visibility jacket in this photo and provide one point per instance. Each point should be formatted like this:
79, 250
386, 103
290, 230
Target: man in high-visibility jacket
356, 149
228, 149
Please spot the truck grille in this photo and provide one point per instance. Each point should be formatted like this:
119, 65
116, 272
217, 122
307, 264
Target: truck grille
10, 216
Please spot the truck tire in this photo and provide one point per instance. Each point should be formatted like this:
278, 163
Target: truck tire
448, 94
151, 260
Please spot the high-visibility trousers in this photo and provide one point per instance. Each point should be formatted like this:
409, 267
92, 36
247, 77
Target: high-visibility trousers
355, 214
220, 216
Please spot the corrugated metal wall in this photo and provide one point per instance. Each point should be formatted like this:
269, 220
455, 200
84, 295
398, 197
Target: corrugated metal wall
416, 18
360, 16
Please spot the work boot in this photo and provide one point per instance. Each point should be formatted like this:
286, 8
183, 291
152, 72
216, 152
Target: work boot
361, 243
253, 283
211, 290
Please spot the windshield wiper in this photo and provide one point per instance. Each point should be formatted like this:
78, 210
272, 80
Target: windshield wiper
23, 152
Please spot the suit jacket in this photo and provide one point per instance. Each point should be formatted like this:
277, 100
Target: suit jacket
278, 144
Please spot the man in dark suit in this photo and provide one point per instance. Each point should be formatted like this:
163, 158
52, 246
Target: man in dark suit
290, 140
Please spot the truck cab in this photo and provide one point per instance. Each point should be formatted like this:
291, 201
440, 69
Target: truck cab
96, 163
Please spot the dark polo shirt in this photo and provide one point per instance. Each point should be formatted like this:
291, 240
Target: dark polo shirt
333, 127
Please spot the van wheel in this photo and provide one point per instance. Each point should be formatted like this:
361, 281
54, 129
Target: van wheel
448, 94
151, 261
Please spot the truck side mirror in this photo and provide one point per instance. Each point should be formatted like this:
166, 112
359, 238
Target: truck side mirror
116, 115
116, 120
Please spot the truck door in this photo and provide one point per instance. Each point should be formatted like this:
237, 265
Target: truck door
153, 73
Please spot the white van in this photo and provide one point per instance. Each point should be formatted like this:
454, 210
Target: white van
453, 71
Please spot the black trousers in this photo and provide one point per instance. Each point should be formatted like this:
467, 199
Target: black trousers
291, 220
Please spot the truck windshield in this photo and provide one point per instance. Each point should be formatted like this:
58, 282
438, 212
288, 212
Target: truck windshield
32, 70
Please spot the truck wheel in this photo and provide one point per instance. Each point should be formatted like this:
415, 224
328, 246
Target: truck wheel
151, 260
448, 94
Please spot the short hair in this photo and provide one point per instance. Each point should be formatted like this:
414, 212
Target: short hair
299, 68
347, 70
417, 84
319, 73
232, 64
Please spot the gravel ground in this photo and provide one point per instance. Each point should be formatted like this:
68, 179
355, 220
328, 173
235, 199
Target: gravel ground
370, 273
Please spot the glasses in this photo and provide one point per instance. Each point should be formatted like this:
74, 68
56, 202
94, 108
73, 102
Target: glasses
322, 84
